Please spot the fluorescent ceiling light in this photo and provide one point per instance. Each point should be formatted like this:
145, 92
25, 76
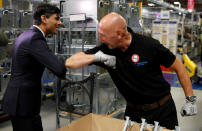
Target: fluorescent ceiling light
176, 3
151, 4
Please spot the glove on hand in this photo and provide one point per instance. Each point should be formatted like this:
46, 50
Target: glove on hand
108, 60
189, 109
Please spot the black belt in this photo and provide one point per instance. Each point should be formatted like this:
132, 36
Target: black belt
147, 107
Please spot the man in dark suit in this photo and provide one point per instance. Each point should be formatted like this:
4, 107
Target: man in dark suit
31, 55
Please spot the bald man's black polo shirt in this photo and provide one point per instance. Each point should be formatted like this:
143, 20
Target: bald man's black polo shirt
138, 75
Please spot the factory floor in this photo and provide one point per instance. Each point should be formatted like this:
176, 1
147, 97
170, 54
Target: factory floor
192, 123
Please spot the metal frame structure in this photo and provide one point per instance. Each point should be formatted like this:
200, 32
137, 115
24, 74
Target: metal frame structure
70, 106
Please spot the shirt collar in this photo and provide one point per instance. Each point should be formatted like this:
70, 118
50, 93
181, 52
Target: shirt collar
40, 30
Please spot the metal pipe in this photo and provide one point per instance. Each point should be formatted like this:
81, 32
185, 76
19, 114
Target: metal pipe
167, 5
91, 93
182, 30
83, 42
192, 27
96, 87
58, 85
70, 42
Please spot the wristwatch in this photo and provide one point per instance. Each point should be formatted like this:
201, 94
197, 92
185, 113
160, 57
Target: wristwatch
191, 98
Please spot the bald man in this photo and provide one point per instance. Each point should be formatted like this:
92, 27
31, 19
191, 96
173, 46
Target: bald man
133, 62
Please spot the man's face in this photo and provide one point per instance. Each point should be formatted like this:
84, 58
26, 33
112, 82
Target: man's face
52, 24
108, 37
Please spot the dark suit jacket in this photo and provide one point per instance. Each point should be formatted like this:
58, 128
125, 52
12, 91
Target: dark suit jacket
30, 57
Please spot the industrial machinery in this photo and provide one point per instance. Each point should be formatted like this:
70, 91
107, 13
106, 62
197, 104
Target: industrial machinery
78, 33
192, 69
79, 95
86, 90
4, 69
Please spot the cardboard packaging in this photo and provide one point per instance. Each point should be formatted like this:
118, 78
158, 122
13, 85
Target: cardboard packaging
93, 122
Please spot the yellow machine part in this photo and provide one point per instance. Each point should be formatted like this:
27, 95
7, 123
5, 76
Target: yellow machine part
189, 65
1, 3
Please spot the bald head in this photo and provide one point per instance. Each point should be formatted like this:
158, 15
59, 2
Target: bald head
113, 31
113, 22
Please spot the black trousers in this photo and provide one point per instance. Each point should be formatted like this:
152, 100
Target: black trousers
166, 115
27, 123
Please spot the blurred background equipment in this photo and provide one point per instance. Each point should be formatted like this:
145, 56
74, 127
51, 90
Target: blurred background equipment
168, 21
3, 39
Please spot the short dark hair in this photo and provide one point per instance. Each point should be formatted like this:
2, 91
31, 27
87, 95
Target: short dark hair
44, 9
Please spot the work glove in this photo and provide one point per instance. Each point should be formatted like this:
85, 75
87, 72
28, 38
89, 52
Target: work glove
189, 109
108, 60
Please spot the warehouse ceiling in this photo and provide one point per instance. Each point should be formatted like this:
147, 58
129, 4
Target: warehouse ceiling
197, 6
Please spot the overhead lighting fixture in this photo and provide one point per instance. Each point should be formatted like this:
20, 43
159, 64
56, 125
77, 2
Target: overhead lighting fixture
151, 4
177, 3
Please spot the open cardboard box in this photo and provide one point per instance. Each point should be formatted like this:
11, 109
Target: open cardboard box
93, 122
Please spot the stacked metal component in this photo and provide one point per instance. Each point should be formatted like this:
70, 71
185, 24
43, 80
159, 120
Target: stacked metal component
144, 126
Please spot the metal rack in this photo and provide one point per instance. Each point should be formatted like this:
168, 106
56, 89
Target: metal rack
75, 95
4, 78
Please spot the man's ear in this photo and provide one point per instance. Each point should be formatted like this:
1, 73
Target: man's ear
43, 19
119, 34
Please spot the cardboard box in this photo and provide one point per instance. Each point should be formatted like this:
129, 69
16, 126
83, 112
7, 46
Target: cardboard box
93, 122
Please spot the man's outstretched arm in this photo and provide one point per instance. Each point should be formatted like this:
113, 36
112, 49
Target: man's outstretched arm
79, 60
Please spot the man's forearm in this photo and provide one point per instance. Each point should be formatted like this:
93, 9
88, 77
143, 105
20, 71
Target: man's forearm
185, 83
79, 60
183, 77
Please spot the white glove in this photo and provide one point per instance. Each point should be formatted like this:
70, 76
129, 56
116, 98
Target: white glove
189, 109
108, 60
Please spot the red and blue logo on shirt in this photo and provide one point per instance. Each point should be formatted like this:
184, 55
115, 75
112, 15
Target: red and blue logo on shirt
135, 58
